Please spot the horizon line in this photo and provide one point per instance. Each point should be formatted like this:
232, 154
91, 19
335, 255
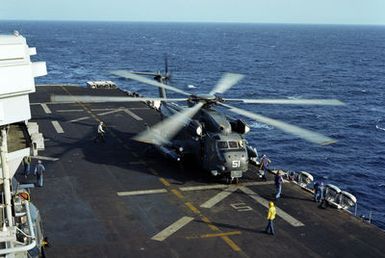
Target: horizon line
212, 22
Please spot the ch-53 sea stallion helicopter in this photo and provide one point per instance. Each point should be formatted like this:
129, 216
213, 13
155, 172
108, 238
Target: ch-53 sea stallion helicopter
213, 139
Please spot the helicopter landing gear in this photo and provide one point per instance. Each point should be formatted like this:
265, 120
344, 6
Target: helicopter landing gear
230, 180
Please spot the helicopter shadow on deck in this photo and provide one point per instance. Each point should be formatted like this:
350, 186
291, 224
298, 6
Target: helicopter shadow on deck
179, 172
118, 151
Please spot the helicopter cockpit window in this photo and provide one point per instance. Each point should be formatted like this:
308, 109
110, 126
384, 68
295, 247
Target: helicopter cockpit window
233, 145
222, 145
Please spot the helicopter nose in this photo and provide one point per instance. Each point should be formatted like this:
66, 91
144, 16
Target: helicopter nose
236, 161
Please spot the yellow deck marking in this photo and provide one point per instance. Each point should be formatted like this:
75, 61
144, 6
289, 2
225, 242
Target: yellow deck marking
210, 224
177, 193
192, 207
221, 234
213, 228
205, 219
231, 233
231, 243
164, 181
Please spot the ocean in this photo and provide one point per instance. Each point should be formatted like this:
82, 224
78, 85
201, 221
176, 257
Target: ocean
278, 61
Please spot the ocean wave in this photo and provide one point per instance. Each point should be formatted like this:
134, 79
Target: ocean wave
295, 97
380, 124
377, 109
257, 125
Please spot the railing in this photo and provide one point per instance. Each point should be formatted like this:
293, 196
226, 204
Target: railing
31, 237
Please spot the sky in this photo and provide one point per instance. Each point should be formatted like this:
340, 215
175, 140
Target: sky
245, 11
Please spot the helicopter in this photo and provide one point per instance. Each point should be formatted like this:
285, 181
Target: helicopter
215, 140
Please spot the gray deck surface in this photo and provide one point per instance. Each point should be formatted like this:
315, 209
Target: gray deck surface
83, 216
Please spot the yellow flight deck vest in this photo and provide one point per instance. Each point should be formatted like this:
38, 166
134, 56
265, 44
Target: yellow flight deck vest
271, 213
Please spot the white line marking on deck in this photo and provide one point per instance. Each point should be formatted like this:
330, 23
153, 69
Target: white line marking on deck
219, 197
140, 108
133, 114
46, 108
45, 158
70, 110
165, 233
291, 220
57, 126
202, 187
96, 109
142, 192
221, 186
110, 112
241, 206
79, 119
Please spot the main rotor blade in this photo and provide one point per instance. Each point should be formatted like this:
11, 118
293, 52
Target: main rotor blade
101, 99
288, 128
172, 125
165, 65
324, 102
128, 75
144, 73
226, 82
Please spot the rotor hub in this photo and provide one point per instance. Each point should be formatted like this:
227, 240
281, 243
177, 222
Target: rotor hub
207, 99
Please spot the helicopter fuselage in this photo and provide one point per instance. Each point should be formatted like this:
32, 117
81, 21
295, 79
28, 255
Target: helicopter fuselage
213, 139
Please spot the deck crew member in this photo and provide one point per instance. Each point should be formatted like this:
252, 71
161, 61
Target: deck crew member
27, 165
265, 161
270, 218
39, 169
278, 180
319, 192
100, 135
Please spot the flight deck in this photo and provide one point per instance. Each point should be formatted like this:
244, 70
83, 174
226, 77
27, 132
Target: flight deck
122, 198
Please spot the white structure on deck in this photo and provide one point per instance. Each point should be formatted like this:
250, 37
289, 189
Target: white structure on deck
101, 85
17, 74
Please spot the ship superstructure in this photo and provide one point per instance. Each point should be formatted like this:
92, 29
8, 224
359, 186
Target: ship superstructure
20, 232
